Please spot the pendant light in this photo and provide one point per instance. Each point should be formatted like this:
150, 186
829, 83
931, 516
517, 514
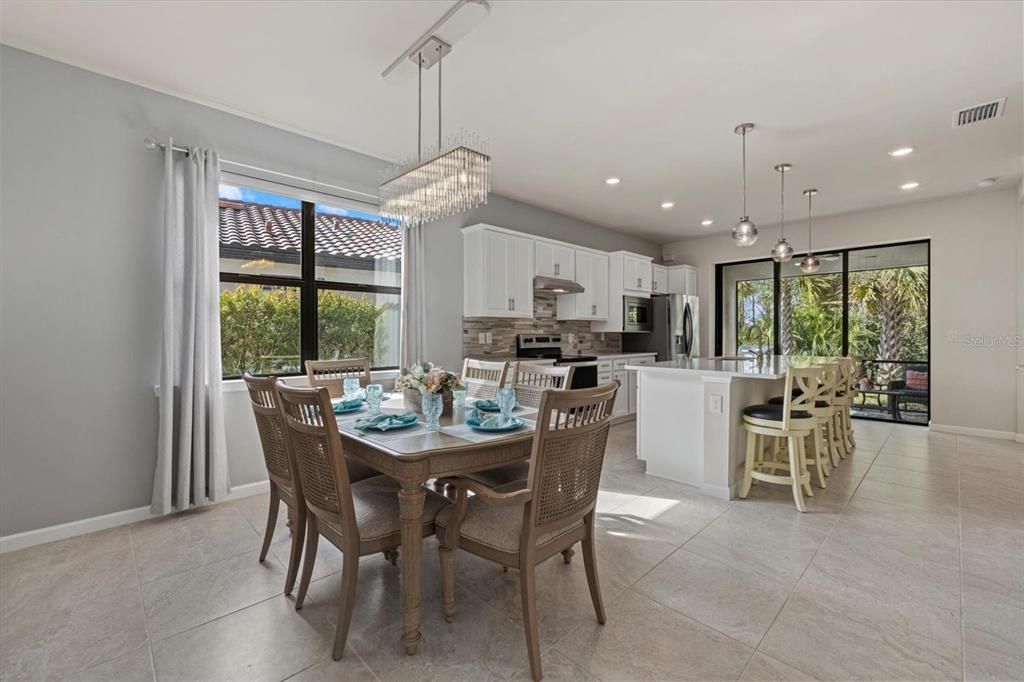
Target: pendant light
745, 232
810, 263
783, 250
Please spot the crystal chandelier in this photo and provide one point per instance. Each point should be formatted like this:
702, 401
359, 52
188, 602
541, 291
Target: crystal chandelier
810, 263
454, 178
783, 250
745, 231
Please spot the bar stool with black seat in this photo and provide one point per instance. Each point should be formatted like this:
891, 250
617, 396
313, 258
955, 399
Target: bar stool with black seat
793, 422
824, 454
284, 482
358, 518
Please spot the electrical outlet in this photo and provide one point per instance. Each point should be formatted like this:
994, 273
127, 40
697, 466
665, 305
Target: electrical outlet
481, 338
490, 337
715, 404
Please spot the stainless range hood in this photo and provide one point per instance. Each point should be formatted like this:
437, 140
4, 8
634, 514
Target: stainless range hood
556, 285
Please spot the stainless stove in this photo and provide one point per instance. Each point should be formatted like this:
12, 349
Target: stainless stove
549, 346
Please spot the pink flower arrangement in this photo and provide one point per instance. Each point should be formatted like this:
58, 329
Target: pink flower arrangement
426, 377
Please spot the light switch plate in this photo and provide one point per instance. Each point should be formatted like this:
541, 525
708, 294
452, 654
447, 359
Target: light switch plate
481, 338
490, 337
715, 404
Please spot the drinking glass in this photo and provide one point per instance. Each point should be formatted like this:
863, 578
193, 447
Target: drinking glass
432, 405
374, 393
351, 388
459, 398
506, 401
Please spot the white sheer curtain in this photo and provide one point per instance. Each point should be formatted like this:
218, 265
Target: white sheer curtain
414, 331
192, 463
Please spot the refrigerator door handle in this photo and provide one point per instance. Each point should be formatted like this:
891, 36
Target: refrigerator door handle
687, 330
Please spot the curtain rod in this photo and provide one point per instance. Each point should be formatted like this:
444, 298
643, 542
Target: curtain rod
153, 144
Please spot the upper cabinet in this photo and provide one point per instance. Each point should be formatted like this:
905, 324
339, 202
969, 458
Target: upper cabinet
636, 272
659, 279
682, 279
554, 259
497, 273
591, 269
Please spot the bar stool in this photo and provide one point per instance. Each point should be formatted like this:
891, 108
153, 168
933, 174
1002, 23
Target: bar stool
844, 394
792, 421
825, 439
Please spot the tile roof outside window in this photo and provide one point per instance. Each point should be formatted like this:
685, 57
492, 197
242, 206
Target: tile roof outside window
272, 228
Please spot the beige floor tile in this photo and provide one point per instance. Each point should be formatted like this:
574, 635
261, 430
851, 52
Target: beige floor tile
930, 465
184, 600
945, 502
136, 666
62, 574
942, 451
328, 557
629, 482
840, 639
671, 512
724, 597
53, 644
912, 532
254, 509
992, 446
350, 668
266, 641
775, 546
993, 638
191, 539
644, 640
944, 482
764, 668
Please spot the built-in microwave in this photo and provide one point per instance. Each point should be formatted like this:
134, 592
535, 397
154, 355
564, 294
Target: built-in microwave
637, 314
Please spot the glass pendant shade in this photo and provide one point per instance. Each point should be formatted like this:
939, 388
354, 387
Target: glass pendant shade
783, 251
745, 232
810, 264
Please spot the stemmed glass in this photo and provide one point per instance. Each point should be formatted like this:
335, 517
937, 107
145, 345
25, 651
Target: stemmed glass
374, 393
432, 405
506, 402
350, 388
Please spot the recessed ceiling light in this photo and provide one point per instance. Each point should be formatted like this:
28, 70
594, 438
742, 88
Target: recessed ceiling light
667, 204
987, 182
707, 222
910, 185
612, 181
901, 151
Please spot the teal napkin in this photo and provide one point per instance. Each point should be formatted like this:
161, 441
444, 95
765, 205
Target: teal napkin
493, 421
342, 405
383, 422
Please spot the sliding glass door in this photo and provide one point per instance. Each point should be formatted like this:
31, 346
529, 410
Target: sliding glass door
871, 303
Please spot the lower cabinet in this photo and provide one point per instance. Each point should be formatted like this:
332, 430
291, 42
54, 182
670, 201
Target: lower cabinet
621, 407
614, 367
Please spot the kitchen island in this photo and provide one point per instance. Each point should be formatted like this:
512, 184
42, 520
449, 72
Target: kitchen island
690, 416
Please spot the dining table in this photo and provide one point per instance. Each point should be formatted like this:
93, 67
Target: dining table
412, 456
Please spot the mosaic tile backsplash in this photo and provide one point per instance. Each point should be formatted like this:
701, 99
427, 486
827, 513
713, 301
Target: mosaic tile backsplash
503, 332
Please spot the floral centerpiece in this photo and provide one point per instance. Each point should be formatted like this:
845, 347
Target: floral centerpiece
426, 377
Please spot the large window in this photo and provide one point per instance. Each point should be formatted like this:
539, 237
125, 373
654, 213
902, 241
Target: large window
304, 280
870, 303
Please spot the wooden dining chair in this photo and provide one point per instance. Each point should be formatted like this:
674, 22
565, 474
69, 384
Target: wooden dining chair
284, 484
482, 379
357, 518
331, 374
529, 383
522, 528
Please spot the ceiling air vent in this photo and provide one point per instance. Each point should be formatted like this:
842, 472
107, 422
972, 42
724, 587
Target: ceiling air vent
979, 113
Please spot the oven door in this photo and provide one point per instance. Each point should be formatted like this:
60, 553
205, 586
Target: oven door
584, 374
637, 314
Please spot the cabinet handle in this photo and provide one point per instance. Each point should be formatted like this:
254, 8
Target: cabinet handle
639, 282
593, 310
513, 303
556, 268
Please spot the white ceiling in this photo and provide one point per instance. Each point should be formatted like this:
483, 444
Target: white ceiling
572, 92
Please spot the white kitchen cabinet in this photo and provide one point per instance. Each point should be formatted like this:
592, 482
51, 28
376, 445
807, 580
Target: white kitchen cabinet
497, 273
621, 406
659, 279
636, 273
591, 269
682, 279
553, 259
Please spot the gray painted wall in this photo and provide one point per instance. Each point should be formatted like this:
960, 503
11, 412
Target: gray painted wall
80, 290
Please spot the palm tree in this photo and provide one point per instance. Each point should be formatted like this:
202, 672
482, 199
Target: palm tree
890, 296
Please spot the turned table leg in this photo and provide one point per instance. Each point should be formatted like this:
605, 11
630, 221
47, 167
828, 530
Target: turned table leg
410, 510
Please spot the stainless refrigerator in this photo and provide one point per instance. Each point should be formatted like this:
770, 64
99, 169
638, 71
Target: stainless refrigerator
675, 331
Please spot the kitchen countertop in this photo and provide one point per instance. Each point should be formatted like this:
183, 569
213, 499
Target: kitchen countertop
613, 356
773, 367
